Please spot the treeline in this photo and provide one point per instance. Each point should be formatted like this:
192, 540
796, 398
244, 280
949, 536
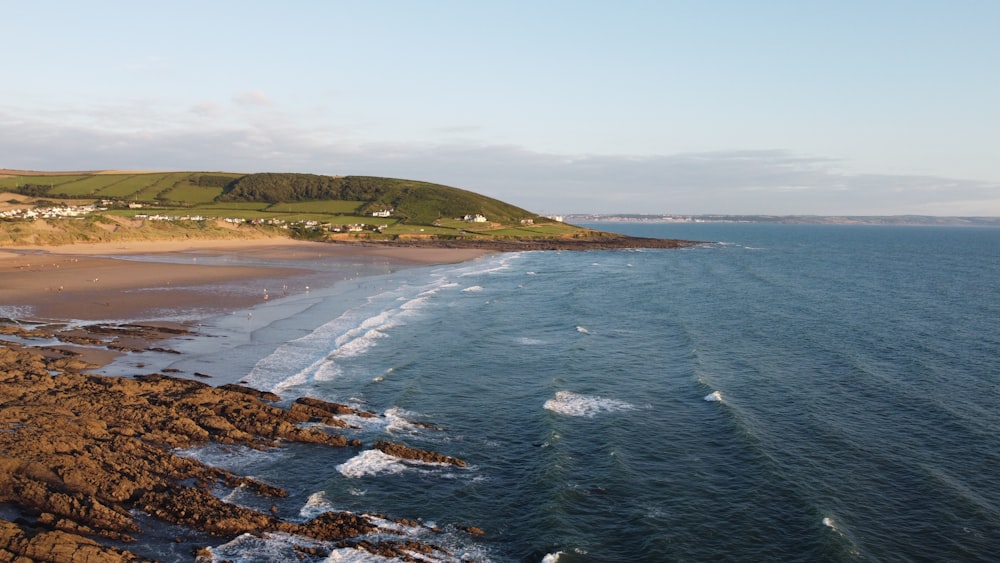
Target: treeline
275, 187
211, 180
33, 190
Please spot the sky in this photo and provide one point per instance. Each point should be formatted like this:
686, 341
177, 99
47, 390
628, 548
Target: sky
822, 107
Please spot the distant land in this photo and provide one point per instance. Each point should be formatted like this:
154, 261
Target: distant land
914, 220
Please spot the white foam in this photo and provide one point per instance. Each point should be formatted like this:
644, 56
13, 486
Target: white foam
372, 327
394, 421
359, 343
575, 404
227, 456
270, 546
527, 341
473, 288
354, 332
15, 311
375, 462
490, 267
397, 421
356, 555
236, 495
553, 557
351, 334
316, 504
582, 329
714, 397
371, 463
828, 522
417, 302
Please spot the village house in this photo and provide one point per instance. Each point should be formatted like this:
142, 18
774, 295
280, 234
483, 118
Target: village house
50, 212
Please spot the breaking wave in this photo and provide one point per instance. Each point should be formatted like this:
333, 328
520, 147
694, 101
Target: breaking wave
574, 404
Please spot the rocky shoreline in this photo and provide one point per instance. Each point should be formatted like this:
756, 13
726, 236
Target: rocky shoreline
88, 458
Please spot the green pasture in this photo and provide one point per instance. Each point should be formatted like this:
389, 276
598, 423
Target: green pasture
160, 186
128, 186
88, 186
188, 193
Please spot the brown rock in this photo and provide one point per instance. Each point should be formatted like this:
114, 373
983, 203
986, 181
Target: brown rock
19, 544
405, 452
263, 395
332, 408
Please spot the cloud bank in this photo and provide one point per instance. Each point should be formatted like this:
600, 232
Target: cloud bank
734, 182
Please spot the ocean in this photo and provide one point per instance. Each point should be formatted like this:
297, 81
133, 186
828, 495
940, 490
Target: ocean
785, 393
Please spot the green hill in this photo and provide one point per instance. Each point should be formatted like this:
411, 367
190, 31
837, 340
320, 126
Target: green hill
197, 204
412, 202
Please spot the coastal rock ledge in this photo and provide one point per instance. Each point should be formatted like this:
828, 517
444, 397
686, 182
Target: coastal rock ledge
85, 458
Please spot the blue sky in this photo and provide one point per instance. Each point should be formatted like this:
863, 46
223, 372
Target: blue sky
709, 106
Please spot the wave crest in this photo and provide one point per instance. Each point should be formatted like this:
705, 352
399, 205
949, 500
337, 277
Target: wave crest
575, 404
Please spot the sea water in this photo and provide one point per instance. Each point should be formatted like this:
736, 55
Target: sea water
785, 392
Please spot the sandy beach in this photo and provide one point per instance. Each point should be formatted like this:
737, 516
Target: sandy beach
104, 281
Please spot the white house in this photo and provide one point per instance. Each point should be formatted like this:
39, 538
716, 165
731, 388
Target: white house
382, 213
477, 218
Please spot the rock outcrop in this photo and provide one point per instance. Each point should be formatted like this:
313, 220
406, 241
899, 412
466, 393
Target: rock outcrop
82, 454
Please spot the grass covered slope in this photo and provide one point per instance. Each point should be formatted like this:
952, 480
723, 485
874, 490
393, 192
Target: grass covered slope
171, 205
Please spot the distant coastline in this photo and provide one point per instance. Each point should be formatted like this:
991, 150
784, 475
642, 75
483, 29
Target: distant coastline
910, 220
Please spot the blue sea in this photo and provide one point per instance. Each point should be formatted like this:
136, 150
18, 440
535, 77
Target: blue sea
784, 393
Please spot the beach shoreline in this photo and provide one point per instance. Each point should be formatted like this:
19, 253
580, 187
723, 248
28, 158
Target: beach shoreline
113, 281
83, 301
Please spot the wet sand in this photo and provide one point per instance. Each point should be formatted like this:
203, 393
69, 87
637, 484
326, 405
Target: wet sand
99, 281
